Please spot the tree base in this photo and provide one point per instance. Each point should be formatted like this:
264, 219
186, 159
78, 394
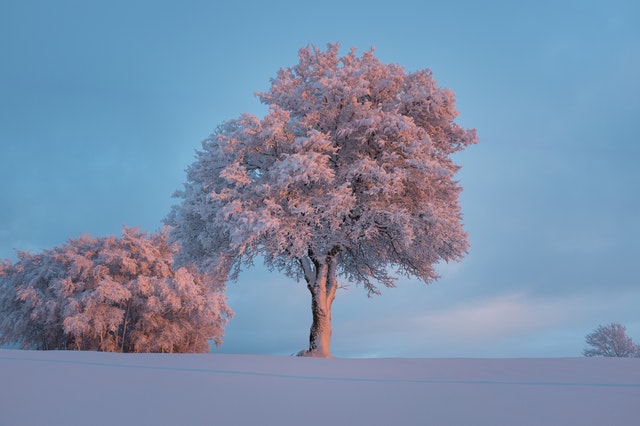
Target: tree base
312, 354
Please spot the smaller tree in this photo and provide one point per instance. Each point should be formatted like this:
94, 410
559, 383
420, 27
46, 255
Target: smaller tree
611, 341
110, 294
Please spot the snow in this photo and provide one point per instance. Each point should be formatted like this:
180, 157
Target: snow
97, 388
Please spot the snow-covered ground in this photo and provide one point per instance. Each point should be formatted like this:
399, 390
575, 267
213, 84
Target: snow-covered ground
88, 388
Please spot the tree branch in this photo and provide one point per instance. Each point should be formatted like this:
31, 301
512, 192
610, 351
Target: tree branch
309, 275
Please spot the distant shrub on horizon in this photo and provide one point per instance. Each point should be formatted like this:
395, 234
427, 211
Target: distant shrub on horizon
611, 341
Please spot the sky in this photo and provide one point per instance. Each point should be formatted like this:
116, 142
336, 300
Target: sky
103, 104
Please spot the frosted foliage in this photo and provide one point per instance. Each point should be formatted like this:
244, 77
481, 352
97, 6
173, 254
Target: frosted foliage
352, 161
611, 341
110, 294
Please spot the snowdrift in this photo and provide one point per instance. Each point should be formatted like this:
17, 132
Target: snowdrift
89, 388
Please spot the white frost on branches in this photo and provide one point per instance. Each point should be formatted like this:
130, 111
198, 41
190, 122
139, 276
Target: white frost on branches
110, 294
353, 158
611, 341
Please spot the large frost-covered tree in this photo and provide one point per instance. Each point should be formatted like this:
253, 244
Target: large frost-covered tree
110, 294
349, 174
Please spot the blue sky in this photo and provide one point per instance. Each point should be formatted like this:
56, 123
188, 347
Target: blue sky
102, 105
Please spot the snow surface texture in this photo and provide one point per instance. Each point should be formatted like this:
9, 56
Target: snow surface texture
81, 388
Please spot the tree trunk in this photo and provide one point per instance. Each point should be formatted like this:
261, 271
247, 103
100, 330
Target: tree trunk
322, 284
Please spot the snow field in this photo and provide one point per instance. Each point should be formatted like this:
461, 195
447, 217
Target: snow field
96, 388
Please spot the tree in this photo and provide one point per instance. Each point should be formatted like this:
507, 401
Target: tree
611, 341
350, 173
110, 294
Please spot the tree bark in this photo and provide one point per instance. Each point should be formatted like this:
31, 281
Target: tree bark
322, 284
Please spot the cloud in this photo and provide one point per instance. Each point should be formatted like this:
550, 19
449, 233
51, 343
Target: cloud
493, 319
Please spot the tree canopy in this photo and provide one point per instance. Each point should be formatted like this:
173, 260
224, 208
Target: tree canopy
110, 294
